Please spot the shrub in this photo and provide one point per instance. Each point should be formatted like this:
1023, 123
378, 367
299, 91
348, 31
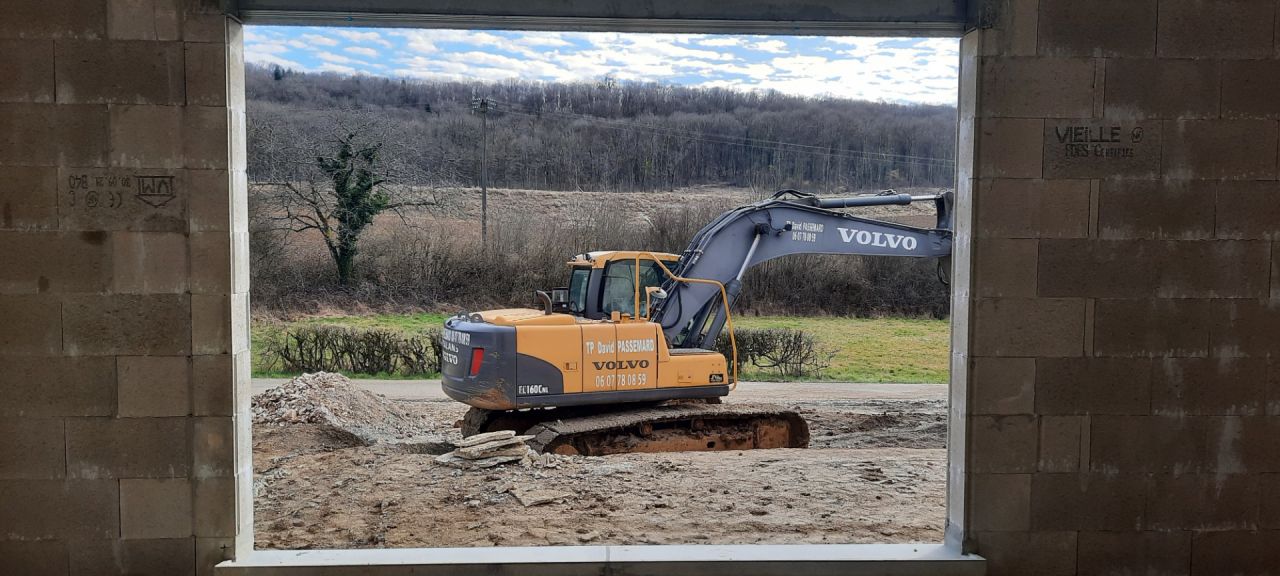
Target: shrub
353, 351
791, 352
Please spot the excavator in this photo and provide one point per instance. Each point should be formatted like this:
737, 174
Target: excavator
624, 360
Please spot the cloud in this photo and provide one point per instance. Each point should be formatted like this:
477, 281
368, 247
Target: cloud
772, 46
720, 42
318, 40
331, 67
336, 58
362, 51
370, 37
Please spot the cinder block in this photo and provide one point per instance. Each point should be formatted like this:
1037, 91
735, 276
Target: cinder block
147, 136
59, 386
1208, 386
1220, 149
203, 25
210, 200
211, 324
1168, 444
48, 509
1235, 552
154, 386
168, 556
1002, 444
1093, 385
1161, 88
1152, 209
999, 501
1246, 210
1028, 327
1087, 502
215, 507
1228, 269
144, 20
80, 135
140, 325
24, 134
214, 447
1249, 88
1208, 29
1013, 208
1059, 444
54, 19
27, 67
206, 74
128, 448
1004, 267
96, 199
1269, 495
1200, 502
37, 558
33, 448
1244, 327
120, 72
1152, 328
149, 262
211, 263
1103, 148
1257, 453
37, 262
212, 551
155, 508
28, 198
213, 385
1010, 148
1099, 269
1033, 87
1134, 553
32, 325
206, 142
1098, 28
1002, 385
1015, 32
1039, 553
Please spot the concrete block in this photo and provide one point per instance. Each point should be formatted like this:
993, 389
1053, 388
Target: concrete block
1201, 502
1248, 88
211, 263
37, 262
1209, 29
1087, 502
206, 67
167, 556
1028, 327
1152, 209
200, 25
48, 509
1010, 148
137, 199
1246, 210
1108, 148
149, 262
206, 137
213, 385
32, 325
210, 200
1098, 28
211, 323
154, 386
1243, 327
33, 448
1040, 553
1059, 444
128, 448
213, 447
48, 135
27, 67
32, 19
81, 135
1208, 386
1235, 552
212, 551
1014, 33
1162, 88
155, 508
1002, 385
1000, 501
1168, 445
28, 198
1012, 208
1093, 385
1257, 452
36, 558
1004, 267
1134, 553
1003, 444
1220, 269
120, 72
215, 507
1033, 87
1220, 149
144, 20
1269, 495
127, 324
1099, 269
146, 136
37, 387
1152, 328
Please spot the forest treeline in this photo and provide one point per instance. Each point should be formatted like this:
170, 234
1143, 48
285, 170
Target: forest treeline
611, 136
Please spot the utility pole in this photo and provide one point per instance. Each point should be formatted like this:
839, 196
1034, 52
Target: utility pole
482, 106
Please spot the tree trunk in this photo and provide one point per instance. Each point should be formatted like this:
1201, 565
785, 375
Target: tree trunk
345, 259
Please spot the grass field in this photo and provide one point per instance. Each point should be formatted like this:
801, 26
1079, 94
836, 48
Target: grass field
866, 349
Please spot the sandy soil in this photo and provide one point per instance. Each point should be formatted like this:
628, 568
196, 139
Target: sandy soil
875, 472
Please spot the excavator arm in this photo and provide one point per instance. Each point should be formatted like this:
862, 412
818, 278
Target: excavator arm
692, 314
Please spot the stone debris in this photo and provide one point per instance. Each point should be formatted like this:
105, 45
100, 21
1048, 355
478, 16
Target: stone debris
485, 438
492, 449
356, 416
537, 497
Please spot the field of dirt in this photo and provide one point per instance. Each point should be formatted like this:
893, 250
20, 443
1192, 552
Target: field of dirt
875, 472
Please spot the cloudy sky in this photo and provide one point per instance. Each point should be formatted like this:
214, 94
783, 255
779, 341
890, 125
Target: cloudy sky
888, 69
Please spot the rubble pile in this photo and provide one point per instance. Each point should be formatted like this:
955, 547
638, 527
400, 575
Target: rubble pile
333, 402
488, 450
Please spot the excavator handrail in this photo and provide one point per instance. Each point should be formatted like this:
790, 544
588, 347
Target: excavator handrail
724, 296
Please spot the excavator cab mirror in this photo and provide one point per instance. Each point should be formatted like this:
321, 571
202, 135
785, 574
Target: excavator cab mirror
655, 292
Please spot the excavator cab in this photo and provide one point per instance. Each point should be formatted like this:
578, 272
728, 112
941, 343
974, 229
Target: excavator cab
601, 283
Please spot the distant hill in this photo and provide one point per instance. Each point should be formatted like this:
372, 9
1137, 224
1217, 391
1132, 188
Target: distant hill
611, 136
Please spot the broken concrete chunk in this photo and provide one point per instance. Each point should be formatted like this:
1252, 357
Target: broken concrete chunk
486, 437
465, 464
481, 450
537, 497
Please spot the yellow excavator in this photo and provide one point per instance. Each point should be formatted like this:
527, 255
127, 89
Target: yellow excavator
623, 360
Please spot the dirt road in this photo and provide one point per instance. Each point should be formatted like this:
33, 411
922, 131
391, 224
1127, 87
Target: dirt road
875, 472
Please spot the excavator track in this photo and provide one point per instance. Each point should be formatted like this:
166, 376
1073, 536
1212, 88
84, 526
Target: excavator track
680, 427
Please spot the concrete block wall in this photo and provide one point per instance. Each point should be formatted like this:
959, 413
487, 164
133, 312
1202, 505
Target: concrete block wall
123, 321
1124, 335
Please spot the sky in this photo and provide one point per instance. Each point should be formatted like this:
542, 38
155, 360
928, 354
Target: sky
907, 70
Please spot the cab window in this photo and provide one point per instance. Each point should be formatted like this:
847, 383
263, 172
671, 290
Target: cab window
619, 286
578, 289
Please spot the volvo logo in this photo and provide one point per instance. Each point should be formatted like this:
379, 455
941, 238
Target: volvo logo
623, 365
879, 239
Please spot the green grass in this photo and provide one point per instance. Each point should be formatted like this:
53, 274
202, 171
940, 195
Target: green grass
866, 349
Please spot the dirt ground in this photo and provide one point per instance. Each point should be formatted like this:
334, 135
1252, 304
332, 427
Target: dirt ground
875, 472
